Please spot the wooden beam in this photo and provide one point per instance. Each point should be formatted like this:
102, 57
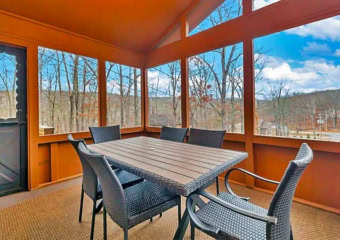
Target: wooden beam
195, 14
185, 103
102, 93
173, 30
277, 17
247, 7
249, 97
201, 11
32, 115
145, 99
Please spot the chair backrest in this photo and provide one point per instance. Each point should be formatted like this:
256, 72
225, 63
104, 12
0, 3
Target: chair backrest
280, 206
173, 134
208, 138
105, 134
113, 193
90, 180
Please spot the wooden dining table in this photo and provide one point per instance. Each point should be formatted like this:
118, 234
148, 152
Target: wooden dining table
182, 168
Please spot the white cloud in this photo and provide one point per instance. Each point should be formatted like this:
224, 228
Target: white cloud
163, 81
337, 53
307, 76
262, 3
284, 71
316, 48
324, 29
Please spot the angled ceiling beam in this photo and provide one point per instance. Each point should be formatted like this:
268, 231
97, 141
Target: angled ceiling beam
195, 14
279, 16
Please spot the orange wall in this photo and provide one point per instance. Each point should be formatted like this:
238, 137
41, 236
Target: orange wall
319, 183
44, 164
58, 161
50, 159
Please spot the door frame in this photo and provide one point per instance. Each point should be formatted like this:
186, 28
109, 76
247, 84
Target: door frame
20, 54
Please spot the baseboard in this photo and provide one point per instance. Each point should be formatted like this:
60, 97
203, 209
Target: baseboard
58, 181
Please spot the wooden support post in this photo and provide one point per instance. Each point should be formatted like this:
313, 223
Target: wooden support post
185, 104
33, 115
249, 96
102, 93
145, 99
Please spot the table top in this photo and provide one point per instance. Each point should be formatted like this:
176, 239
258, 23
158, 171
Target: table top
180, 167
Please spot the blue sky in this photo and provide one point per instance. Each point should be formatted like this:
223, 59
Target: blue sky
306, 58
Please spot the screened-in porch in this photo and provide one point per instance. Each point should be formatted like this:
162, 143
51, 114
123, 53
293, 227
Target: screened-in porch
172, 96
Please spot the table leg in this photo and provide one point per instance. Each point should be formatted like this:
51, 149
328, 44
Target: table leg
183, 225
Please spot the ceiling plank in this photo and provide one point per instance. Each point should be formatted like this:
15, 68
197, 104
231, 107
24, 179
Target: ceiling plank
133, 24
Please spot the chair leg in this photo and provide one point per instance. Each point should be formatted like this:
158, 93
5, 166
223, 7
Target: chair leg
179, 213
104, 224
217, 187
99, 207
93, 218
151, 219
192, 232
81, 204
291, 233
126, 234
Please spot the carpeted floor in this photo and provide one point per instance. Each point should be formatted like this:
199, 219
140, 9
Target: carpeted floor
54, 215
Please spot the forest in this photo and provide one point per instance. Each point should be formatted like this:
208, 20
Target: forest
68, 93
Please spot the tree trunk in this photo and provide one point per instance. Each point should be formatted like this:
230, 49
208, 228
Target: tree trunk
76, 91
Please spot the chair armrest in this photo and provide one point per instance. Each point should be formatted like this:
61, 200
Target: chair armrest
191, 204
228, 187
247, 213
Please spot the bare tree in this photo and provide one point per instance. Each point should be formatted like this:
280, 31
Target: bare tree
124, 82
277, 98
172, 72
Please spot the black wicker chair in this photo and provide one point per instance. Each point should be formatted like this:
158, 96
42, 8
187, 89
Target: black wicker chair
105, 134
229, 216
91, 186
207, 138
173, 134
131, 206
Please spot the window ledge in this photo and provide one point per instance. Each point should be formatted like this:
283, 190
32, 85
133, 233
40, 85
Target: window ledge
83, 135
234, 137
316, 145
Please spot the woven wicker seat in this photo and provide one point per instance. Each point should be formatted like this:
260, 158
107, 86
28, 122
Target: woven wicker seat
131, 206
173, 134
245, 227
92, 187
229, 216
207, 138
105, 134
